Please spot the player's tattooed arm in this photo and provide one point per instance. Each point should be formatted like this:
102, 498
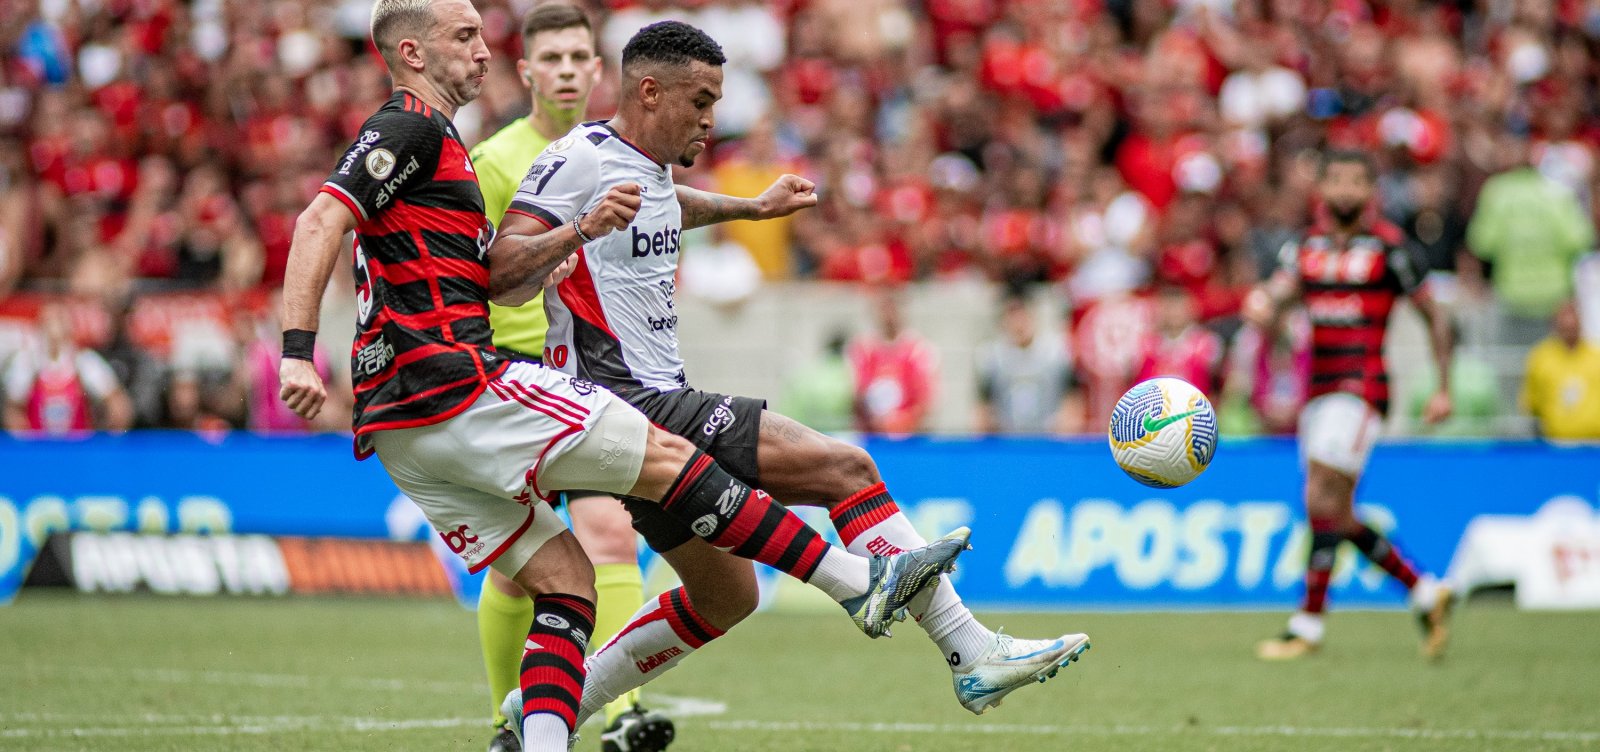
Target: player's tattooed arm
527, 251
787, 195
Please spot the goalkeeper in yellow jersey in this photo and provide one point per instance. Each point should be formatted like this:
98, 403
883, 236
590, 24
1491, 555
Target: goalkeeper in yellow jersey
559, 67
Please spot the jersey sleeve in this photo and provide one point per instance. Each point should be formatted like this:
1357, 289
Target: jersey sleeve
396, 152
562, 182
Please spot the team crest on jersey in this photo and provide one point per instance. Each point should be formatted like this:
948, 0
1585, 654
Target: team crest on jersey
380, 164
561, 144
584, 387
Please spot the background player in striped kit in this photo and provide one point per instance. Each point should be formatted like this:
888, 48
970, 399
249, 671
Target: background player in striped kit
1349, 270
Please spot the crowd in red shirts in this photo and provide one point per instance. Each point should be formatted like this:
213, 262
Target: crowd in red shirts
1141, 161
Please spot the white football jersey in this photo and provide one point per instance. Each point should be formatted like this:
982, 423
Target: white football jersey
612, 321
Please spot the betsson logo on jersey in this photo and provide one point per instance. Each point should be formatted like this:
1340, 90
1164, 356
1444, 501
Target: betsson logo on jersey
655, 243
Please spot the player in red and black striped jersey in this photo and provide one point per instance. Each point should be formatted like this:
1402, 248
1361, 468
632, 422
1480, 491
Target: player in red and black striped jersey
1349, 271
422, 268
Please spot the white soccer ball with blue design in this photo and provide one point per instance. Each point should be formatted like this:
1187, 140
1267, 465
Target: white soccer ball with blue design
1163, 432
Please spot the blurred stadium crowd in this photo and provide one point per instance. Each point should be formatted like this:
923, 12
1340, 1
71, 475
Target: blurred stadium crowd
1138, 163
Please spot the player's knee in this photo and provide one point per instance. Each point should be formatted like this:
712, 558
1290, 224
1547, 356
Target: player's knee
560, 566
605, 529
665, 456
854, 465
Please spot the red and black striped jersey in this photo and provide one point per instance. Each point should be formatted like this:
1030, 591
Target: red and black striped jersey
423, 344
1349, 292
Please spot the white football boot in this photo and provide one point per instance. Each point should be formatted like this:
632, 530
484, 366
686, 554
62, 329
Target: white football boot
511, 708
1009, 664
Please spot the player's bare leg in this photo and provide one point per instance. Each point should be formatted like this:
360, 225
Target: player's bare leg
604, 529
1330, 505
801, 466
561, 581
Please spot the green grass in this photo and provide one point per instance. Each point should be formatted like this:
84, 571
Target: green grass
141, 673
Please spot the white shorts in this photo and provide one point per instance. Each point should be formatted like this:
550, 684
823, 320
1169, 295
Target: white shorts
1339, 430
482, 476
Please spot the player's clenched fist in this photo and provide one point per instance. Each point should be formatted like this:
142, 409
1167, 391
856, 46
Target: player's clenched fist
787, 195
614, 212
302, 388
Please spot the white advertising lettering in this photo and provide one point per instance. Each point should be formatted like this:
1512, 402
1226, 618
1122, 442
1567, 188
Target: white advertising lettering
361, 146
390, 187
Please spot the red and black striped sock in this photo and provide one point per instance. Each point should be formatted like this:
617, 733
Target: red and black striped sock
731, 515
552, 668
1383, 552
862, 511
1325, 540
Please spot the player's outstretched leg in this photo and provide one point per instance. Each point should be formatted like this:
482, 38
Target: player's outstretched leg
808, 467
729, 514
1431, 600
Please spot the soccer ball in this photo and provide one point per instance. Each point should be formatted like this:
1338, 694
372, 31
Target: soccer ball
1163, 432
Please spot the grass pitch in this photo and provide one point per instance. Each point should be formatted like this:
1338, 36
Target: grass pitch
142, 673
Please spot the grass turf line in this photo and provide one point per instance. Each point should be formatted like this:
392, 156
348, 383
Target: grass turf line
144, 673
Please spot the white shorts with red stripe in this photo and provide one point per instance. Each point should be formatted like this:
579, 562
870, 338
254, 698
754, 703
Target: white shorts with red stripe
1339, 430
482, 476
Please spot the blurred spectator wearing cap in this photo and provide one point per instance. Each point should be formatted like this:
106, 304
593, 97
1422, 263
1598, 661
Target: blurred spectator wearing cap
1531, 230
893, 369
60, 389
1562, 390
1025, 381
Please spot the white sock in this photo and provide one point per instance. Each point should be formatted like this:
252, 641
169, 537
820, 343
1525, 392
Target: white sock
544, 732
842, 574
661, 634
939, 610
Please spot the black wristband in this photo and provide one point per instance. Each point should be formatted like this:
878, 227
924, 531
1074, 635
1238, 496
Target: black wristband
299, 344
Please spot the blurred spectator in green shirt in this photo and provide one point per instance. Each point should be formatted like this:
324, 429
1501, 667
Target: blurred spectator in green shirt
1531, 230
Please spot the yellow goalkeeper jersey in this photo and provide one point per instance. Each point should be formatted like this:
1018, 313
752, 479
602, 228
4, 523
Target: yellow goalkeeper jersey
501, 161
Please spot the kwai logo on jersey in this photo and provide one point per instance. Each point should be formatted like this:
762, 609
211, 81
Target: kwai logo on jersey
658, 243
362, 145
390, 187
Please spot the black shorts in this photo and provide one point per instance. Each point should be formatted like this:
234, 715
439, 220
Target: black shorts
725, 427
